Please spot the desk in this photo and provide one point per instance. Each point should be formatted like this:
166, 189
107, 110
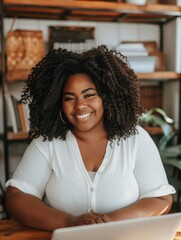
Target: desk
11, 230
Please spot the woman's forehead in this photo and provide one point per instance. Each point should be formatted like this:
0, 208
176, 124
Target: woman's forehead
79, 81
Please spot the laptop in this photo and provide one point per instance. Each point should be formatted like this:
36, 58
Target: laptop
162, 227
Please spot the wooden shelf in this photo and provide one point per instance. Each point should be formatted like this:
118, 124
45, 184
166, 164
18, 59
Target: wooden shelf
155, 76
17, 136
20, 136
159, 76
91, 11
154, 130
97, 11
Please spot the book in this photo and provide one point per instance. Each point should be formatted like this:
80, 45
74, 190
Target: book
134, 53
142, 64
131, 46
151, 46
11, 110
26, 116
15, 102
23, 120
132, 49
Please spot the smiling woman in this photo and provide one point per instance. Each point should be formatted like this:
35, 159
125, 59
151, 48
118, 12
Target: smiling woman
88, 162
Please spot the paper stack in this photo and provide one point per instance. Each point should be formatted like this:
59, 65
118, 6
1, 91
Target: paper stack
138, 57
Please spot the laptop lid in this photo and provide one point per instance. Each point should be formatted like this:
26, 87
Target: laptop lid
162, 227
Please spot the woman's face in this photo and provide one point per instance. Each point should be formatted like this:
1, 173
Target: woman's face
82, 106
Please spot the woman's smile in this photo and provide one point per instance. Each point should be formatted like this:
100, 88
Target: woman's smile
83, 116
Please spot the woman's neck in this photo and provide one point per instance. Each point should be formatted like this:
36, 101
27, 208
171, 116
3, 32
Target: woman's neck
90, 136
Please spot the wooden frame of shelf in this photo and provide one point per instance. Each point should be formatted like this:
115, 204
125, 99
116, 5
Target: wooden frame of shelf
153, 76
154, 130
17, 136
91, 11
159, 76
20, 136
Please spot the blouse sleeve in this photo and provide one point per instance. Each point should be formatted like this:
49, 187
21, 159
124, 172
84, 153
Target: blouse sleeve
149, 170
33, 172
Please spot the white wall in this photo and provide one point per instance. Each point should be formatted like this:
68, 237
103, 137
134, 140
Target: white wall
105, 33
171, 100
172, 49
172, 45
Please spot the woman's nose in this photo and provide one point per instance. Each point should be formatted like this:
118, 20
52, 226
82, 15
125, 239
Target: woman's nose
80, 104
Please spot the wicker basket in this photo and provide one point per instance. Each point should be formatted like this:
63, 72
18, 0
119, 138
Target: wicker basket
25, 48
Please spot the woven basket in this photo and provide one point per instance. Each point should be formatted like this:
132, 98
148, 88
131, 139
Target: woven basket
25, 48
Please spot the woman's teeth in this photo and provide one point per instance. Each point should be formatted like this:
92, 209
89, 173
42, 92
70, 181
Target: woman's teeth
83, 115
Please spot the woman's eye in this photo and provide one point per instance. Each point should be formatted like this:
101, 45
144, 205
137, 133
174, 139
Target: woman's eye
89, 95
68, 99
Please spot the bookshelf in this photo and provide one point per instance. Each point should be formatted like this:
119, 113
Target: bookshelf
102, 11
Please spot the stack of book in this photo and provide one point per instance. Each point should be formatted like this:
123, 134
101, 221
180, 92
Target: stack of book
138, 56
18, 112
132, 49
142, 64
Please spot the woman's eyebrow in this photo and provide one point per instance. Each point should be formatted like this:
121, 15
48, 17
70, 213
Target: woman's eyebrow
83, 91
87, 89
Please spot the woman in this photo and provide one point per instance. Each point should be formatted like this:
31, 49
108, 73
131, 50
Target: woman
89, 161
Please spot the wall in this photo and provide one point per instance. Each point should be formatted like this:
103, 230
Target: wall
105, 33
172, 49
172, 44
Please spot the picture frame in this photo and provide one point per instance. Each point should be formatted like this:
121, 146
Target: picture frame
72, 38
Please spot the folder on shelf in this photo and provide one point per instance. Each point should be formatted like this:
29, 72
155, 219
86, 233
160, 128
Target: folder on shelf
11, 110
142, 64
17, 112
23, 114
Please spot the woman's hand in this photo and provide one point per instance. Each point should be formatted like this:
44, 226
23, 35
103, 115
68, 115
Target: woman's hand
142, 208
90, 218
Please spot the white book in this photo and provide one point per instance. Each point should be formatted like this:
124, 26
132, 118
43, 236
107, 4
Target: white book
142, 59
142, 64
131, 46
134, 53
142, 69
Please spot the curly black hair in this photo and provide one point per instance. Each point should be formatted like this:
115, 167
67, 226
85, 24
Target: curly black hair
115, 81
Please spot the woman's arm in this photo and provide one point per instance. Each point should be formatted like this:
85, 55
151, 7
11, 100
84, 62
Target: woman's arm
143, 208
32, 212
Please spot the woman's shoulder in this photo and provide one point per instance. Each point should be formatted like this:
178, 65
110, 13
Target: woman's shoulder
143, 138
140, 136
45, 147
141, 131
42, 143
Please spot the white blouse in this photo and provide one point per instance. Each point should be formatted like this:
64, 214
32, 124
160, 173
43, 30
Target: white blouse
54, 171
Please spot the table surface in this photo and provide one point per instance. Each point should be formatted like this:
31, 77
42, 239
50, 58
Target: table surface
11, 230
